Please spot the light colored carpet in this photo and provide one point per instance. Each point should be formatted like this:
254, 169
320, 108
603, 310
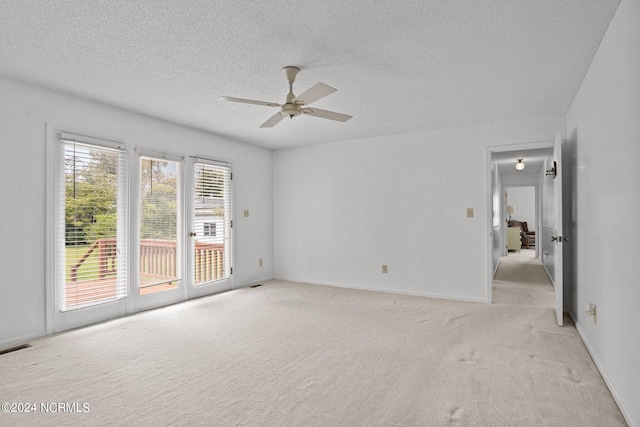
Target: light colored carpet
295, 354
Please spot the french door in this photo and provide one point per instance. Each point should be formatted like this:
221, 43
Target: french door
158, 236
131, 229
209, 227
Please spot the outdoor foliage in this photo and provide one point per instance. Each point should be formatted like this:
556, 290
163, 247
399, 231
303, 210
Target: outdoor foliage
158, 194
91, 184
91, 196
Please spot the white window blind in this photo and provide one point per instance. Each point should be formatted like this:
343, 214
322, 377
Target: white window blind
91, 222
158, 245
211, 217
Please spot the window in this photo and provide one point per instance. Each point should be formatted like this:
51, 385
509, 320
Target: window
209, 229
90, 218
118, 217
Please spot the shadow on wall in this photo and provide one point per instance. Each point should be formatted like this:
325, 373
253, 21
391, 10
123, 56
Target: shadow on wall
570, 222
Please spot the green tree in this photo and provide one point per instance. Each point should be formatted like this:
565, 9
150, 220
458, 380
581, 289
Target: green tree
91, 186
158, 196
91, 196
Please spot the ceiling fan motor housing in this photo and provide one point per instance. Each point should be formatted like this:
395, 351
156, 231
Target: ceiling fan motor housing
290, 110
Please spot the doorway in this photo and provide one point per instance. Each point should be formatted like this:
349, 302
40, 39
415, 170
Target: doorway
548, 171
503, 177
521, 203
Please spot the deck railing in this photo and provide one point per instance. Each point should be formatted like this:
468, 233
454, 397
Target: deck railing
106, 258
208, 262
157, 259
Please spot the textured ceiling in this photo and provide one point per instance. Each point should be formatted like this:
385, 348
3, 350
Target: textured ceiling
398, 66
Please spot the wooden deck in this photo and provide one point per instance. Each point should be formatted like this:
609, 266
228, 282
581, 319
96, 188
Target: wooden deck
158, 265
102, 290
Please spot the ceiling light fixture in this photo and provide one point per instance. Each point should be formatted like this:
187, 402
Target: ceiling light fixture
519, 165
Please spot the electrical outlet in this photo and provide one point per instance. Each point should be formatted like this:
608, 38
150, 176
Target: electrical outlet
469, 212
260, 262
384, 268
246, 213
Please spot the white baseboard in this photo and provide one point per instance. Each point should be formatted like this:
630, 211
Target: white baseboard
605, 376
389, 291
497, 265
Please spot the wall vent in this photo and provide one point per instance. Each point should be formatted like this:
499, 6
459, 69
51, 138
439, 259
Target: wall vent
12, 349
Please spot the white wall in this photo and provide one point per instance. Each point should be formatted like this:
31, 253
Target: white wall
24, 110
603, 129
522, 178
344, 209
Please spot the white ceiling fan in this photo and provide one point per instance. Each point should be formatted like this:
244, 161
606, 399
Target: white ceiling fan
296, 105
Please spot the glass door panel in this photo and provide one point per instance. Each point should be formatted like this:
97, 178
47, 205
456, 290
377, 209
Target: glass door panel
210, 227
158, 243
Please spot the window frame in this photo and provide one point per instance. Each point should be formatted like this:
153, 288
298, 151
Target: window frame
58, 320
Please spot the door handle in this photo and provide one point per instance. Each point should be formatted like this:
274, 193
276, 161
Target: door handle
555, 238
192, 234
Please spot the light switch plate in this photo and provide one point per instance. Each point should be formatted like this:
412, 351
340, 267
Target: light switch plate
246, 213
469, 212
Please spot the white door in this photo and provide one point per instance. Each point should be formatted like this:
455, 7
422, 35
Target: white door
159, 273
558, 238
209, 225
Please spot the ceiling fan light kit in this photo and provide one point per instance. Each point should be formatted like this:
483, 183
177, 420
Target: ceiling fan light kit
296, 105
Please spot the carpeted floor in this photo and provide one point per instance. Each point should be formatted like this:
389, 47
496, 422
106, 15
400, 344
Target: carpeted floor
293, 354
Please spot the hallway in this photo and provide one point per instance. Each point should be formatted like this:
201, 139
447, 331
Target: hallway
521, 280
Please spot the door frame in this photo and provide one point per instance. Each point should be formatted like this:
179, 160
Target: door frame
489, 203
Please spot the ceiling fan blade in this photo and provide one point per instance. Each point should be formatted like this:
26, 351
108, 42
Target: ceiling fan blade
314, 93
273, 120
249, 101
326, 114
